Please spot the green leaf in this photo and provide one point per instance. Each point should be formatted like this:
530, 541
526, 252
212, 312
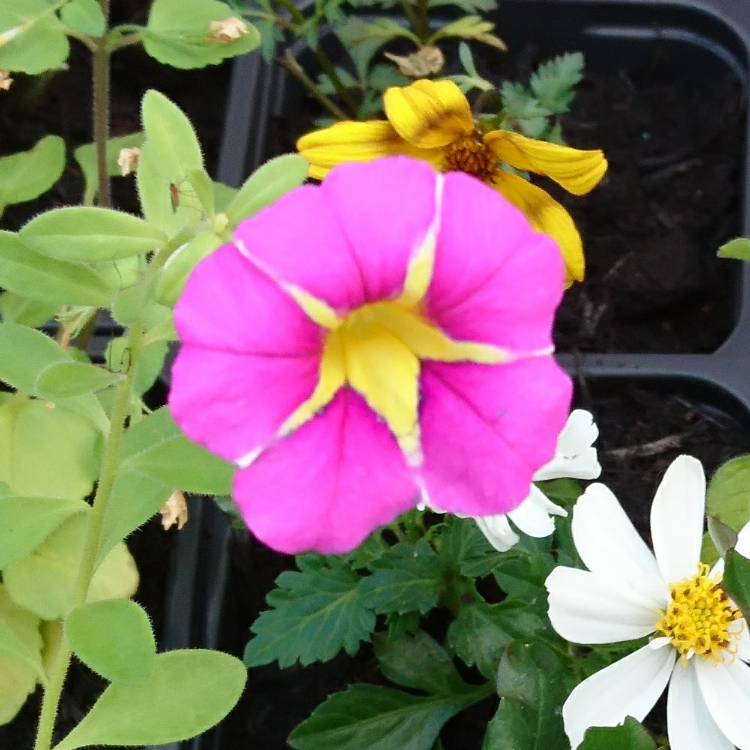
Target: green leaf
85, 17
523, 577
554, 82
86, 157
481, 631
156, 448
187, 692
20, 656
736, 249
737, 580
44, 279
723, 537
26, 312
25, 522
533, 683
26, 175
179, 34
44, 581
266, 185
90, 234
181, 263
113, 638
474, 28
465, 549
46, 451
728, 496
630, 736
203, 186
408, 578
377, 718
33, 38
419, 662
363, 39
73, 379
315, 613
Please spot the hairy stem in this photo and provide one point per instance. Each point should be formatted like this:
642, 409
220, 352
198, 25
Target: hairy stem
289, 62
101, 110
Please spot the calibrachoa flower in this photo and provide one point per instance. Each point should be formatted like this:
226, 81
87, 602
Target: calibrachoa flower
432, 120
575, 458
699, 640
382, 335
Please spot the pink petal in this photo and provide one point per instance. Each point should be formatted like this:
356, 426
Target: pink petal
495, 279
329, 484
348, 241
249, 356
487, 429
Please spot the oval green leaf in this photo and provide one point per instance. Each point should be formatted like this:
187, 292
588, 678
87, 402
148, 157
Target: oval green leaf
728, 496
73, 379
113, 638
27, 175
186, 693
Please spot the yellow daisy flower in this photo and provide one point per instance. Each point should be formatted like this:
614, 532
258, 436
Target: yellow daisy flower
432, 121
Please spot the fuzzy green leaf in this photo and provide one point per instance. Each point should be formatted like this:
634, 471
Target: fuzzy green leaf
736, 249
28, 174
62, 379
180, 265
85, 17
186, 693
316, 612
33, 38
86, 157
26, 312
630, 736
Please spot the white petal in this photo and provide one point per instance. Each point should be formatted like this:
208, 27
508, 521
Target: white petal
538, 497
743, 541
610, 546
575, 457
498, 531
677, 519
690, 724
629, 687
726, 690
531, 517
586, 608
743, 645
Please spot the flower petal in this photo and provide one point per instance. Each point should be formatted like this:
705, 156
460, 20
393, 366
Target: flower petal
345, 142
690, 724
531, 517
539, 498
677, 519
487, 429
588, 608
497, 531
743, 541
547, 216
329, 484
726, 691
575, 457
245, 346
629, 687
495, 280
577, 171
609, 546
348, 241
428, 114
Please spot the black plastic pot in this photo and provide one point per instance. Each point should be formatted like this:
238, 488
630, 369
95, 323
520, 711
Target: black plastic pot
705, 39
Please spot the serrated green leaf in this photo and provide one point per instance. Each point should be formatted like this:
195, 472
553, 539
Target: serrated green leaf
419, 662
44, 581
90, 234
737, 249
737, 581
316, 612
630, 736
156, 448
266, 185
187, 692
377, 718
28, 174
406, 579
553, 83
25, 522
27, 273
471, 27
86, 157
62, 379
179, 33
113, 638
84, 16
363, 39
728, 495
33, 38
464, 548
523, 576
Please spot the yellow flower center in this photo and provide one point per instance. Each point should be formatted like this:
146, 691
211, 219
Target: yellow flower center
470, 154
699, 617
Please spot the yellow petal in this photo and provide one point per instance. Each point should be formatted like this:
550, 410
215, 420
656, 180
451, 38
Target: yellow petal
429, 114
356, 141
577, 171
546, 215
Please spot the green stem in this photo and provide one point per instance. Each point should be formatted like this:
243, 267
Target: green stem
52, 693
290, 64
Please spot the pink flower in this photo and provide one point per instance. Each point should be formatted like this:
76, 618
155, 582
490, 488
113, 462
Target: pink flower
382, 336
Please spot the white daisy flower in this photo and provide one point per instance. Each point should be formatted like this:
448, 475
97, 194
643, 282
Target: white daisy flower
700, 641
575, 458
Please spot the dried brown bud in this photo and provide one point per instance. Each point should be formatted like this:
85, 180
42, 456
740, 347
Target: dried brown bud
128, 159
5, 80
229, 30
426, 61
174, 512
